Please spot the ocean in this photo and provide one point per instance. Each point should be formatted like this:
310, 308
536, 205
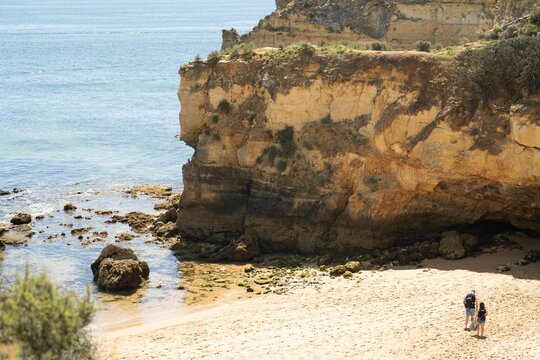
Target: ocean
88, 88
88, 108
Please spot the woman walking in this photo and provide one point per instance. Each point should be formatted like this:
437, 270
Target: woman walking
481, 319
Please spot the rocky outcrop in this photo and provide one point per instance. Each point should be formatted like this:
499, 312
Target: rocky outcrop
308, 152
21, 219
400, 23
118, 268
454, 245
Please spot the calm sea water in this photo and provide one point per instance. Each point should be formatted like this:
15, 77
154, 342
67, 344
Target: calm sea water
88, 105
88, 88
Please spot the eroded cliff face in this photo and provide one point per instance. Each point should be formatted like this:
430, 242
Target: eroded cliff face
400, 23
363, 150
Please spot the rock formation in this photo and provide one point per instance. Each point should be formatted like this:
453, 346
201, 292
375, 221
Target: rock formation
309, 151
21, 219
118, 268
401, 23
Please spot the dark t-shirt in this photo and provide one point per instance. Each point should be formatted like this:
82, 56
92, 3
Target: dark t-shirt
472, 301
482, 315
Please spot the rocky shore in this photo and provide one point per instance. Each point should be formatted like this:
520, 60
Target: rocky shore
321, 316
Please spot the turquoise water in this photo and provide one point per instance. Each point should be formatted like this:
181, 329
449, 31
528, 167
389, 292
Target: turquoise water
88, 107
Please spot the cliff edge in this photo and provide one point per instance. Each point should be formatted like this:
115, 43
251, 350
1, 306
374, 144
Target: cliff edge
400, 23
308, 149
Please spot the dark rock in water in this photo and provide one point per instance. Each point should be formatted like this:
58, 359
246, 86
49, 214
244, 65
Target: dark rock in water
137, 221
80, 231
2, 246
21, 218
125, 236
3, 193
3, 230
118, 275
454, 245
69, 207
17, 190
242, 249
118, 268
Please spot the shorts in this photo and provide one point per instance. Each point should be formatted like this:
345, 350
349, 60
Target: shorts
481, 320
470, 311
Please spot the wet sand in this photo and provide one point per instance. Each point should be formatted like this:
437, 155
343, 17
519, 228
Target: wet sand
401, 313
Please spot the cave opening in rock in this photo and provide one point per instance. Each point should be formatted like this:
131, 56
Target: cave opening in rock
485, 230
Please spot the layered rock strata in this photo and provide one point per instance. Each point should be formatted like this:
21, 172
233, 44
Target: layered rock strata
312, 152
400, 23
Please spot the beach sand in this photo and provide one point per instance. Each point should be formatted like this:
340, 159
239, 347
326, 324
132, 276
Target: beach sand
401, 313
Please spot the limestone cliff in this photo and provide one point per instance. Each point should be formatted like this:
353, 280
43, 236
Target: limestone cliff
303, 150
401, 23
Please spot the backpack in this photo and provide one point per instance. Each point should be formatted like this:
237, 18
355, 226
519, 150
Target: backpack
469, 301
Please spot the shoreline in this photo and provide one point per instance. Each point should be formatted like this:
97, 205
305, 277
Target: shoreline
352, 318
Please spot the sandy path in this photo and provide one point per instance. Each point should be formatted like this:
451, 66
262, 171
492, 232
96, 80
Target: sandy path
395, 314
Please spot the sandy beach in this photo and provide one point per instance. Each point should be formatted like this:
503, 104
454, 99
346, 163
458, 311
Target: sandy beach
401, 313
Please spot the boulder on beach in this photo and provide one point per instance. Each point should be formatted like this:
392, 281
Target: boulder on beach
21, 219
353, 266
454, 245
118, 268
337, 270
242, 249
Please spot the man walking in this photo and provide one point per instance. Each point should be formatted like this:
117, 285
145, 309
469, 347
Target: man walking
470, 307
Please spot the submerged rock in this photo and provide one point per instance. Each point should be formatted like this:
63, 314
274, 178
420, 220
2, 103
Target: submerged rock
70, 207
137, 221
118, 268
13, 238
125, 236
21, 219
3, 193
80, 231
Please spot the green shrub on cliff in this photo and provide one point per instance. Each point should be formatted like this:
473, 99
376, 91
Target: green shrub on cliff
506, 69
214, 56
380, 46
43, 321
285, 138
224, 107
535, 17
281, 165
424, 46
